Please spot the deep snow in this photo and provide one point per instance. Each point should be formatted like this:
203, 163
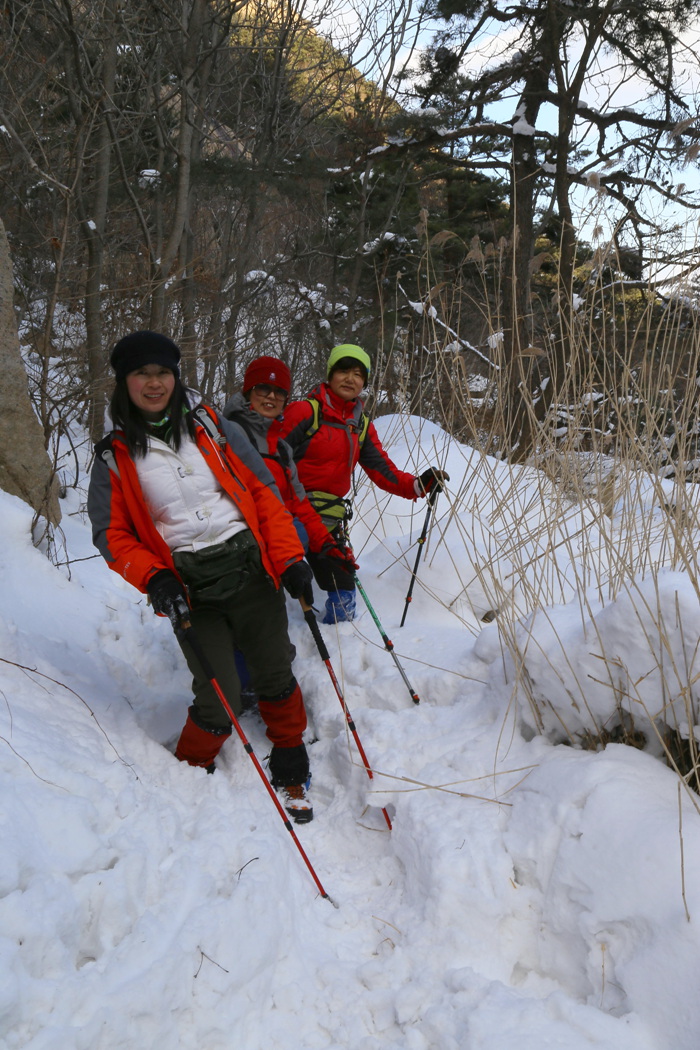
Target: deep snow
530, 895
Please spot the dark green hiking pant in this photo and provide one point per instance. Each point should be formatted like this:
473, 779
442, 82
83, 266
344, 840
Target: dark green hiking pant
253, 619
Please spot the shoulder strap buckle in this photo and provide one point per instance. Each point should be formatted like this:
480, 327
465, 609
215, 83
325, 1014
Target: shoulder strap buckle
202, 415
105, 452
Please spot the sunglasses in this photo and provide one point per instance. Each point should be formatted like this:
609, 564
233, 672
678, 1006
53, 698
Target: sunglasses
265, 390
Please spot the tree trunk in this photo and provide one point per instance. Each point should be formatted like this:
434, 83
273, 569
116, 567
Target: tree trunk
517, 306
189, 127
25, 468
94, 226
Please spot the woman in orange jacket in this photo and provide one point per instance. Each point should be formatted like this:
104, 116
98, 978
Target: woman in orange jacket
185, 509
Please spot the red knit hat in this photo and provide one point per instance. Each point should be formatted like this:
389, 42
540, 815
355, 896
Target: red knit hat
267, 370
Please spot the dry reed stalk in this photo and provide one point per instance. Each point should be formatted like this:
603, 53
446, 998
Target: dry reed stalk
592, 510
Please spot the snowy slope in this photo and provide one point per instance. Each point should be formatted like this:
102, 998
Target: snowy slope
529, 894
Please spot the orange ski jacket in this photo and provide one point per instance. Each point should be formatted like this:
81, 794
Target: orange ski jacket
125, 534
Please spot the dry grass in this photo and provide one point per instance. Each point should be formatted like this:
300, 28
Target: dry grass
603, 501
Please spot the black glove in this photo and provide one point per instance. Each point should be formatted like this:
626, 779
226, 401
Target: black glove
296, 580
433, 479
168, 596
344, 556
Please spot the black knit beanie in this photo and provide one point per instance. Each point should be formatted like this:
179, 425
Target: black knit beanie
144, 348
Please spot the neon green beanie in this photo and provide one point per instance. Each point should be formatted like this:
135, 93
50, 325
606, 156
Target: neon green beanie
348, 350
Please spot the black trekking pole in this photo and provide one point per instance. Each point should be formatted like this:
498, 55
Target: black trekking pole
388, 644
184, 630
321, 645
432, 500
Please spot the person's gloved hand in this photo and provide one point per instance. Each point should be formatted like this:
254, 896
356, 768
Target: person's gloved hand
168, 596
345, 556
296, 580
431, 480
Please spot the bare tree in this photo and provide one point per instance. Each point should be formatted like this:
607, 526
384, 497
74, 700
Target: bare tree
25, 468
171, 165
547, 58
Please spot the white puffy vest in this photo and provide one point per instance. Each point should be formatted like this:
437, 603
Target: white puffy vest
186, 502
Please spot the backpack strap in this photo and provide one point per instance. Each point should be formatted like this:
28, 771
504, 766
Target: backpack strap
105, 452
203, 415
364, 427
317, 419
284, 459
315, 423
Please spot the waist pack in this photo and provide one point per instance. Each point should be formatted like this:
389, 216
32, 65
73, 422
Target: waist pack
331, 508
217, 572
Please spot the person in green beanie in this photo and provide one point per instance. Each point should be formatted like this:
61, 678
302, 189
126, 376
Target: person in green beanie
329, 434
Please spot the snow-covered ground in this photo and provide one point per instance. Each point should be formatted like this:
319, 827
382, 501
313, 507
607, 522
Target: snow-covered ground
530, 894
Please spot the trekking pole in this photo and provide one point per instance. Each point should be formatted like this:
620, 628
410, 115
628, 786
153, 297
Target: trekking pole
321, 645
388, 644
184, 630
432, 500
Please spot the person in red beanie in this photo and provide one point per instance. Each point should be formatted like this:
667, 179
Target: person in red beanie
185, 509
260, 404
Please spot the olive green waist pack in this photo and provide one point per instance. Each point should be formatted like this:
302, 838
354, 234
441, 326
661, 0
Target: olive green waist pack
217, 572
329, 506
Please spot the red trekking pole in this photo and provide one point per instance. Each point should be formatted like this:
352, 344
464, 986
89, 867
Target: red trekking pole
183, 629
318, 638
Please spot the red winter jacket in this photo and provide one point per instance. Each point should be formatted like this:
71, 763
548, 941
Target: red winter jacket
300, 508
123, 530
326, 461
278, 457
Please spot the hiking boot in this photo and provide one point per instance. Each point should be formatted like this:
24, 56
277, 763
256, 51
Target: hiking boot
297, 803
340, 607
